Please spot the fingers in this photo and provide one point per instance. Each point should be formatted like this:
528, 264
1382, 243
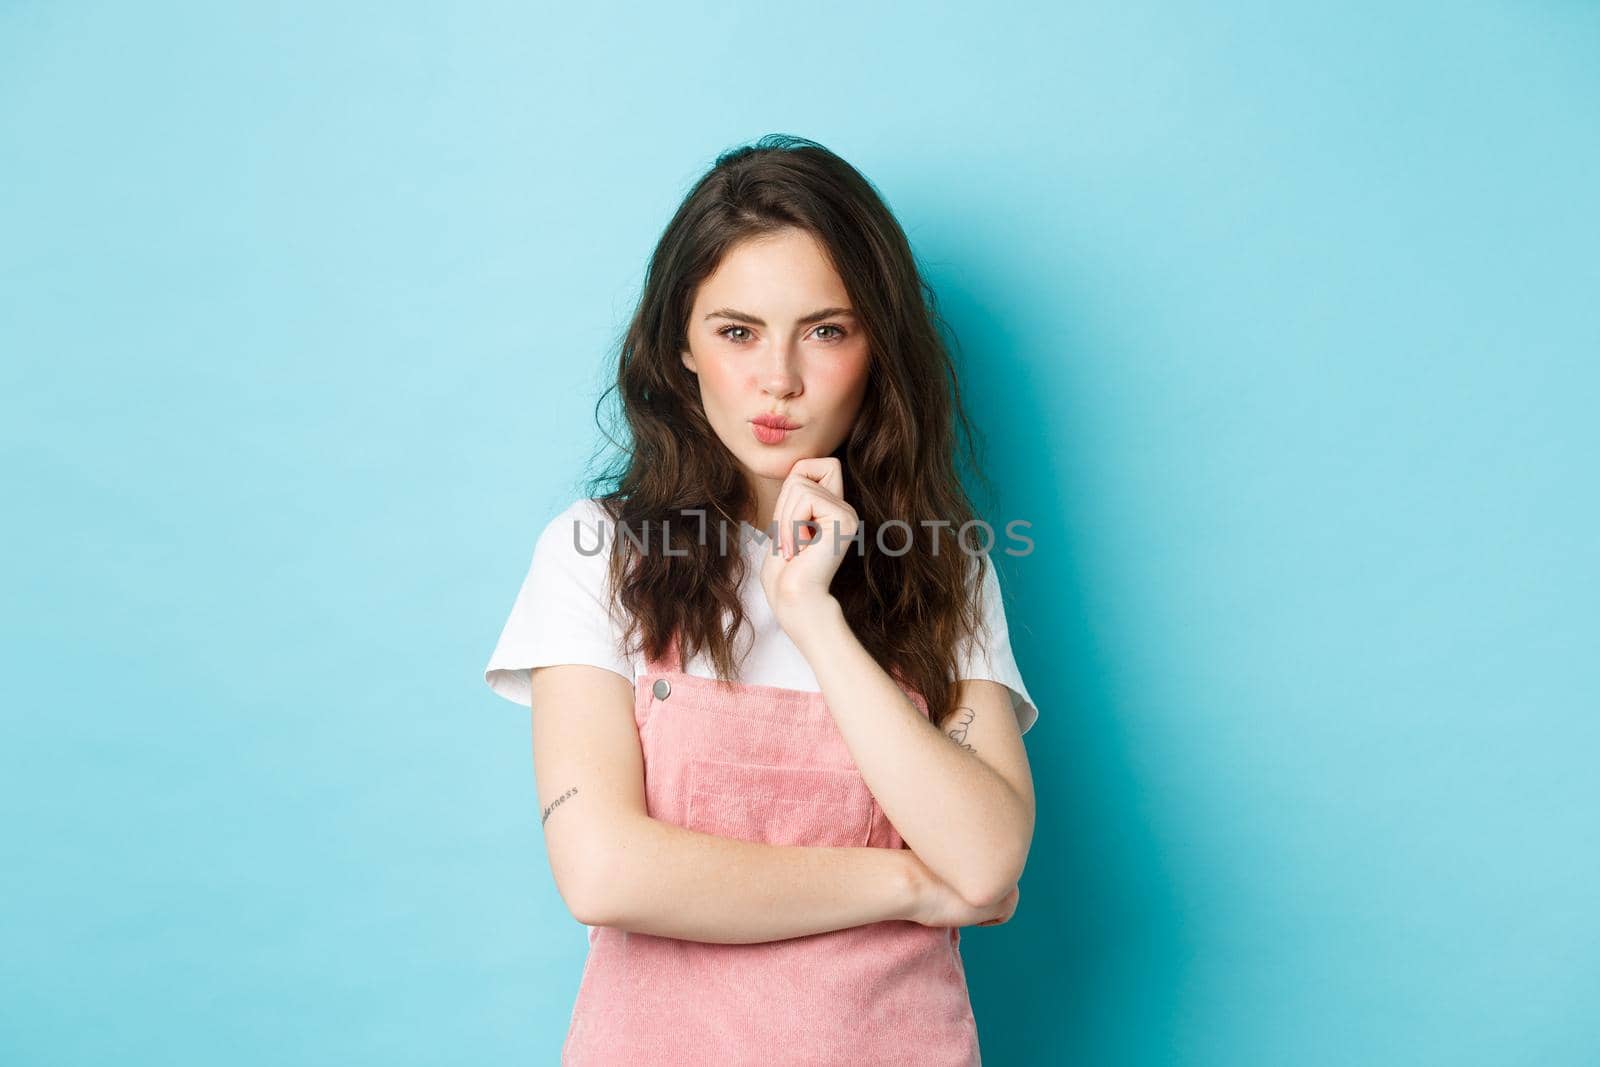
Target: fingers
779, 516
792, 507
825, 471
812, 488
796, 504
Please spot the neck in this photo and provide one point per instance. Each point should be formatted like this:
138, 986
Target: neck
766, 494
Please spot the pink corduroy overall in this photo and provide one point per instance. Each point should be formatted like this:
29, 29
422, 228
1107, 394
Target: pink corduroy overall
766, 764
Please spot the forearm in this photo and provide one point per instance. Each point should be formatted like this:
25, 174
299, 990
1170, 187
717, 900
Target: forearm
955, 812
657, 878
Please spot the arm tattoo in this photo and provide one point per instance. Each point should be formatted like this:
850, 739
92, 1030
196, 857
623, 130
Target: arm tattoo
958, 733
555, 803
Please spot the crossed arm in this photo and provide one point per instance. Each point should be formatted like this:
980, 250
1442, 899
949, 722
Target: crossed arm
962, 799
614, 865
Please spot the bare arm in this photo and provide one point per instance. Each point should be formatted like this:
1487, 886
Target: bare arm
614, 865
962, 800
962, 797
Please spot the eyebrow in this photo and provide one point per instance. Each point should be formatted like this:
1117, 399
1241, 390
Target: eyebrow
744, 316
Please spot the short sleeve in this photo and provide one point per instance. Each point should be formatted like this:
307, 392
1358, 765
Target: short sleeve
561, 613
988, 654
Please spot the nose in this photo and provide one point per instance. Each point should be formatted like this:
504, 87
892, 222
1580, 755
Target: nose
781, 375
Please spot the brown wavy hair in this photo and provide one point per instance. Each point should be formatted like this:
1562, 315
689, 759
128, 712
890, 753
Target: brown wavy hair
899, 461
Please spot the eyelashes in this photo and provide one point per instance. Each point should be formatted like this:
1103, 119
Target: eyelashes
840, 333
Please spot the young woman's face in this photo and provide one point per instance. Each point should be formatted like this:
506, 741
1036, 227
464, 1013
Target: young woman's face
772, 333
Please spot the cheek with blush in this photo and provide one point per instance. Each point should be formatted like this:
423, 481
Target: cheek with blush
837, 379
718, 386
841, 385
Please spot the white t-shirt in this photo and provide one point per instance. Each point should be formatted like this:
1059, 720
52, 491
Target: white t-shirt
561, 616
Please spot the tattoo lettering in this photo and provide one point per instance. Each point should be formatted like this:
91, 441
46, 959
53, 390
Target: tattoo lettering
958, 733
556, 803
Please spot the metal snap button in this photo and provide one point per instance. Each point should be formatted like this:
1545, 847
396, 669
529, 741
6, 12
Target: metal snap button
662, 688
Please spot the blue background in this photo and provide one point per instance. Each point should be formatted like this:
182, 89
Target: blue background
1282, 324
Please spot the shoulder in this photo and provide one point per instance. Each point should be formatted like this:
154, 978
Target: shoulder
985, 576
584, 512
563, 612
572, 551
575, 531
987, 653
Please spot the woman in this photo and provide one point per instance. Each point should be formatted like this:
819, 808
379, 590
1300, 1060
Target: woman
775, 846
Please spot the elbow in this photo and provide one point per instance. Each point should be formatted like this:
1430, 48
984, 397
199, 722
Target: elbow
592, 884
986, 883
591, 893
585, 901
574, 883
984, 893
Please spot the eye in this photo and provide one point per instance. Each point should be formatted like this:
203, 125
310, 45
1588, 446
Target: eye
839, 333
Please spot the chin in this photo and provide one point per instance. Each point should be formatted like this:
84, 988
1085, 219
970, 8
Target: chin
767, 468
767, 463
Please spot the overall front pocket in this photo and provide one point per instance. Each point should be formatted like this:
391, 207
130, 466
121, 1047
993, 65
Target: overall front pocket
778, 805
